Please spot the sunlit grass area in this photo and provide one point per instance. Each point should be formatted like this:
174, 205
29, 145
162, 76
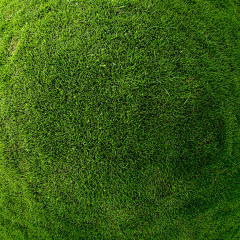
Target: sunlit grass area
119, 119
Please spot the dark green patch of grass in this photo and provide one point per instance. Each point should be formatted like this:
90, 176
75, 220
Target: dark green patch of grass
119, 119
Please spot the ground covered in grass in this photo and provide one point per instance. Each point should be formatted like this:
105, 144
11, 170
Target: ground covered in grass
119, 119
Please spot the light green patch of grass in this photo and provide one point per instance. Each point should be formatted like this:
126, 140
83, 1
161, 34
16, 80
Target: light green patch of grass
119, 119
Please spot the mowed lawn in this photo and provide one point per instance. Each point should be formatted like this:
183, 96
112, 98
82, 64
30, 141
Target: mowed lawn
119, 119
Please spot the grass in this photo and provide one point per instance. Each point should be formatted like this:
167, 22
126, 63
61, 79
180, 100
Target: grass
120, 119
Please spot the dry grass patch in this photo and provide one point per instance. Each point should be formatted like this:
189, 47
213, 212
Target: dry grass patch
13, 47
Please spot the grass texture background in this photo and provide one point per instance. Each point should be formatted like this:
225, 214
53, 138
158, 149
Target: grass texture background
119, 119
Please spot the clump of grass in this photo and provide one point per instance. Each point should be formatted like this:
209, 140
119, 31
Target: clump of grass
119, 120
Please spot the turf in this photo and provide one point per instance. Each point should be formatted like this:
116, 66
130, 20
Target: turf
120, 119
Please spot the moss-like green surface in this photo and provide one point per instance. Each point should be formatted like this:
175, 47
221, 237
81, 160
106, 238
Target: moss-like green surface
119, 119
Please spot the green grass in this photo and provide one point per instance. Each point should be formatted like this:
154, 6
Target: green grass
120, 119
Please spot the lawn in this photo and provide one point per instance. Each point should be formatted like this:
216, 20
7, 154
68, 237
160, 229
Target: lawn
120, 119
